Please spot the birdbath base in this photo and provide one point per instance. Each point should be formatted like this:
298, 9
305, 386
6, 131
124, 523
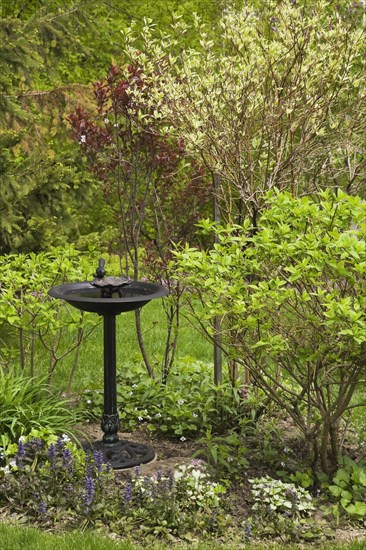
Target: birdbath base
123, 454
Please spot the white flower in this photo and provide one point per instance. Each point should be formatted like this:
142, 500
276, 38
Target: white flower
89, 402
180, 402
194, 415
140, 418
130, 393
21, 439
6, 470
106, 120
65, 438
182, 438
134, 386
158, 415
83, 139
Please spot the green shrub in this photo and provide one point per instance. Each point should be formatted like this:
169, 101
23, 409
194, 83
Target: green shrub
34, 326
292, 298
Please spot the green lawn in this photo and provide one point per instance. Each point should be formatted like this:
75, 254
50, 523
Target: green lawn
24, 538
89, 373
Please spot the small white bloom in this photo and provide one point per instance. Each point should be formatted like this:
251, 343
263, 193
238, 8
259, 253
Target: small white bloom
182, 438
89, 402
106, 120
180, 402
134, 386
65, 438
194, 415
21, 439
158, 415
130, 393
12, 464
140, 418
83, 139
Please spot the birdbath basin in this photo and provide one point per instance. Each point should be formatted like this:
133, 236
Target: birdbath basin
109, 297
89, 298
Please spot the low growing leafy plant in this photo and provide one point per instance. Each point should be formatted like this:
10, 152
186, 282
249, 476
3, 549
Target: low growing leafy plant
275, 496
175, 502
27, 403
226, 454
349, 487
58, 484
284, 510
187, 405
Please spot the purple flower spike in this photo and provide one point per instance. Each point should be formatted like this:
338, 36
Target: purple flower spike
20, 453
51, 454
99, 460
42, 508
127, 493
66, 453
89, 491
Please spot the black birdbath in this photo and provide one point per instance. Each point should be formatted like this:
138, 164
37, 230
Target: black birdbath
110, 296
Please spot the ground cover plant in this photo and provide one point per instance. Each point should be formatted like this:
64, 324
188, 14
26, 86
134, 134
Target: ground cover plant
58, 484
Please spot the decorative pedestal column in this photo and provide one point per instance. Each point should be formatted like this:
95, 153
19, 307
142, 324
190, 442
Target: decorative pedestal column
118, 452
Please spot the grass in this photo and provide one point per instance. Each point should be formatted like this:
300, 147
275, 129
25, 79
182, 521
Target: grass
20, 538
89, 373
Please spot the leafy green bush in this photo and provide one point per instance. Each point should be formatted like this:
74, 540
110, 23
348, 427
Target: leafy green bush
33, 324
274, 100
291, 294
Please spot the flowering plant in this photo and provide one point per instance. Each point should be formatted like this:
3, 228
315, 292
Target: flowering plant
174, 502
275, 496
55, 482
53, 479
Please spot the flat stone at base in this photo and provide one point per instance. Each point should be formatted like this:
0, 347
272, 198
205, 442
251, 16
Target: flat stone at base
123, 454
